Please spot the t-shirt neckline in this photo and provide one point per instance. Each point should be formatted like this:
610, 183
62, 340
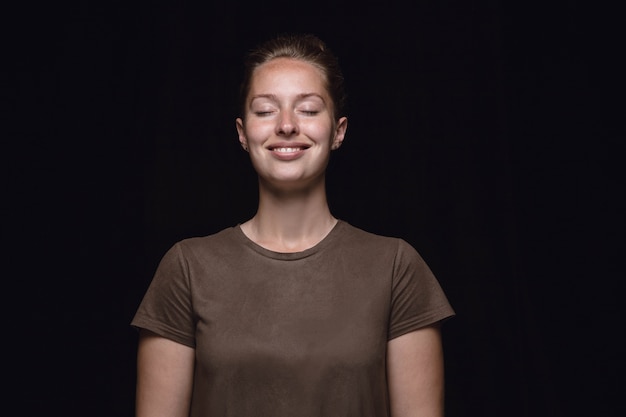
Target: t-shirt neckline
321, 245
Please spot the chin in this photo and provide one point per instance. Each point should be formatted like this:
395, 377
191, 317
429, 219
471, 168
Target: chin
292, 182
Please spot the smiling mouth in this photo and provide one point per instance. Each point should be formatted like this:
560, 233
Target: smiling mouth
288, 149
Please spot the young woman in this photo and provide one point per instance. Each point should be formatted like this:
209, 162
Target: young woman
293, 312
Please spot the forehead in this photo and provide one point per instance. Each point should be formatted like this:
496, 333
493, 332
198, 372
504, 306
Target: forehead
281, 73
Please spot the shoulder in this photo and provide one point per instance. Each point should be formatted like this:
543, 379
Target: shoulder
356, 237
224, 236
359, 235
348, 231
217, 243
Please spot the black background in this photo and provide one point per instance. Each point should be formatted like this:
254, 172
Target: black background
488, 135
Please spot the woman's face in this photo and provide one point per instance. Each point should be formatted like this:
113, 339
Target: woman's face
288, 125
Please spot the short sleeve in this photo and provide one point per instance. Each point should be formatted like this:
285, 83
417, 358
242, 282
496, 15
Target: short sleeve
166, 308
417, 298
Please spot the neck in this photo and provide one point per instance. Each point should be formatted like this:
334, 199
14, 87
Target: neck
290, 221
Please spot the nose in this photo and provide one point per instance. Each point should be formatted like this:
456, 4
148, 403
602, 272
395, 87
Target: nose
287, 124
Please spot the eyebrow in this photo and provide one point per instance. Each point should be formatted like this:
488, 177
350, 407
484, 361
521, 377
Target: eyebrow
299, 96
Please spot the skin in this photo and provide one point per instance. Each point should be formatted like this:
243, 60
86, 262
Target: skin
289, 107
289, 131
164, 377
415, 374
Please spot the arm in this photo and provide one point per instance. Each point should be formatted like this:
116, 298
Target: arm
164, 377
415, 374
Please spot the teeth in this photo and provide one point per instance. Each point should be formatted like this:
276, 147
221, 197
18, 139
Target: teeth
286, 150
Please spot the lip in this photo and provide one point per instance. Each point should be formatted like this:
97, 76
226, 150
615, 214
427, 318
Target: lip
288, 151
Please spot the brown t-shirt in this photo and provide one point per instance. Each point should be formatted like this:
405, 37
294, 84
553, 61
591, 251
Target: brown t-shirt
291, 334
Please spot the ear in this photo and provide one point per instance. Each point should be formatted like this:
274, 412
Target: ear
340, 133
242, 136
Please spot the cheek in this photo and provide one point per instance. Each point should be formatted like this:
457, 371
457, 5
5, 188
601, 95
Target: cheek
257, 131
319, 131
